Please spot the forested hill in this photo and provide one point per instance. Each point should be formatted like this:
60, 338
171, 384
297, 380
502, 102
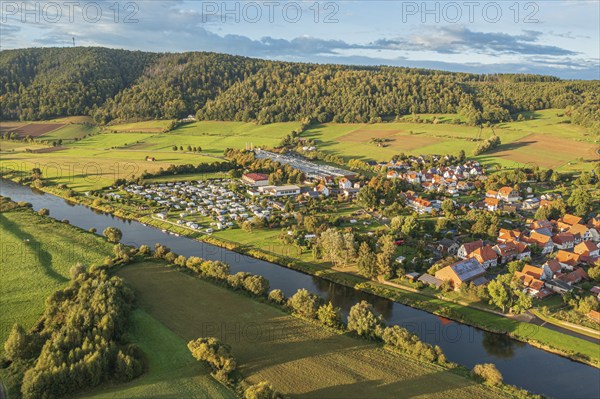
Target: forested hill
117, 84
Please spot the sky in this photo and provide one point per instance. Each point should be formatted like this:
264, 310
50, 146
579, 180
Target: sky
550, 37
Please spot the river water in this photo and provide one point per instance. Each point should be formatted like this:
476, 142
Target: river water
521, 364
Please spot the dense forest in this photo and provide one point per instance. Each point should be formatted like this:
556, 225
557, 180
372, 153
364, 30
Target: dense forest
124, 85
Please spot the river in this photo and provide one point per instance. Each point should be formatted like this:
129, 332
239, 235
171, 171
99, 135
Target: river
521, 364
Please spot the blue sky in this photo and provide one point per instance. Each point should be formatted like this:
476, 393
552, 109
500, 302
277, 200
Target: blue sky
560, 38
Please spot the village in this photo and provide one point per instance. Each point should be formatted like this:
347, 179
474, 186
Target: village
552, 255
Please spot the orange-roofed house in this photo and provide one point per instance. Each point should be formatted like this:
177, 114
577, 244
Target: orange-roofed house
491, 204
541, 224
574, 277
392, 174
420, 205
506, 252
468, 247
533, 271
506, 235
508, 194
344, 183
541, 240
571, 220
580, 232
594, 223
523, 250
568, 260
564, 240
587, 248
462, 272
491, 194
486, 256
532, 285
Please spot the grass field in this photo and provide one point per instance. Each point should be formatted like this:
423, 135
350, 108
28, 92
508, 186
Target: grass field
545, 140
70, 132
96, 161
171, 369
35, 257
155, 126
298, 358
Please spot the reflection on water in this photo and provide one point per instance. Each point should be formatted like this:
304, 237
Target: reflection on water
521, 364
500, 346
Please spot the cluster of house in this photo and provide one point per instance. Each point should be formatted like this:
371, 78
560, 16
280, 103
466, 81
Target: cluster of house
507, 199
446, 179
421, 205
566, 245
211, 198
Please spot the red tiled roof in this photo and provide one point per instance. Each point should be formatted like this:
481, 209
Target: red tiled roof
585, 247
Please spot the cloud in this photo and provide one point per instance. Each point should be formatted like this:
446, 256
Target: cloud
170, 26
456, 40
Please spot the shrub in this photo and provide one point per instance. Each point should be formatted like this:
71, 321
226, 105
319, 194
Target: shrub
76, 270
277, 296
262, 390
329, 315
112, 234
43, 212
363, 320
257, 285
236, 281
487, 373
144, 250
304, 303
216, 354
16, 344
215, 269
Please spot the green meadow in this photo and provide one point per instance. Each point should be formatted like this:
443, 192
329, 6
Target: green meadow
544, 138
171, 371
35, 257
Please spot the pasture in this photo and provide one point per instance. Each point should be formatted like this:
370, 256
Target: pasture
70, 132
544, 138
35, 264
300, 359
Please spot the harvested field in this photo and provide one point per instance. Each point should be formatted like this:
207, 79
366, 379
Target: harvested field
300, 359
546, 151
37, 129
364, 135
9, 126
397, 140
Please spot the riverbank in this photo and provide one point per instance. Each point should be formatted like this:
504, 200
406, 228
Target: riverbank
543, 338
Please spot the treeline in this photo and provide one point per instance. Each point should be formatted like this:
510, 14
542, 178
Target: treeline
115, 84
78, 343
